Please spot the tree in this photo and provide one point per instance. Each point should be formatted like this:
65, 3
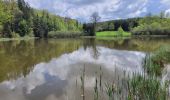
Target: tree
120, 31
5, 14
16, 16
23, 28
25, 8
95, 18
40, 27
7, 30
162, 14
111, 26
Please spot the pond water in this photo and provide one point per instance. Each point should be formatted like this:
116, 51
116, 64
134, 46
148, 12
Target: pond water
69, 69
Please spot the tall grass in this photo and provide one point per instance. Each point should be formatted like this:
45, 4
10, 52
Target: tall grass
150, 88
96, 91
155, 62
138, 87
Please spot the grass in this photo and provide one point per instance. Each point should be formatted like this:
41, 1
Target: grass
113, 34
140, 87
154, 63
150, 88
137, 87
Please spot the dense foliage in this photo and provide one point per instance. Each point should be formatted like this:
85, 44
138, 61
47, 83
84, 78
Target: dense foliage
17, 18
153, 26
126, 24
149, 25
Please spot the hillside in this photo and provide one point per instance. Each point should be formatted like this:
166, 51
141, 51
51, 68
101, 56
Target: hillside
18, 19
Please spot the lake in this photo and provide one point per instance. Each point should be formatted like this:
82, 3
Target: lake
69, 69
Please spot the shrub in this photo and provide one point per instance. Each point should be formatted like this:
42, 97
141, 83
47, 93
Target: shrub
60, 34
120, 32
23, 28
154, 28
15, 35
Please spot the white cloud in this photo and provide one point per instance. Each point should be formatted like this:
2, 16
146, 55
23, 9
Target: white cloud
108, 9
166, 2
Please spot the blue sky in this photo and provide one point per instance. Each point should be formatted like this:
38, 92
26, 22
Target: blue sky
107, 9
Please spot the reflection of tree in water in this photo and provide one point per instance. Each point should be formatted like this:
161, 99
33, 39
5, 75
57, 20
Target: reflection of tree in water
91, 43
124, 43
19, 57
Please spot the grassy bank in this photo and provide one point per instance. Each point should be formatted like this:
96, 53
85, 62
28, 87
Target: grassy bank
113, 34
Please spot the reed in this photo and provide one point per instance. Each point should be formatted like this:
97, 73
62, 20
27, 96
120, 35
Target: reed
96, 92
150, 88
82, 78
155, 62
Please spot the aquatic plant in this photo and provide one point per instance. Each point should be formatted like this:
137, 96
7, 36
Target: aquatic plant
82, 83
110, 89
155, 62
100, 78
96, 92
141, 88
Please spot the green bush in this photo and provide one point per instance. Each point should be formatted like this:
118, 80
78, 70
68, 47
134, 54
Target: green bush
120, 32
62, 34
15, 35
23, 28
154, 28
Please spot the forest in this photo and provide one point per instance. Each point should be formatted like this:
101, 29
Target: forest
18, 19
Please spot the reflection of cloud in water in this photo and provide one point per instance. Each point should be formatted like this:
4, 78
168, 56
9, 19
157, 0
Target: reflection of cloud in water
54, 86
47, 79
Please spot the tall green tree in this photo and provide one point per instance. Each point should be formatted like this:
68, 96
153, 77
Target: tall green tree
23, 28
95, 18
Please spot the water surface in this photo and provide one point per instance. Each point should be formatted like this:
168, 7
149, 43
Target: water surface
54, 69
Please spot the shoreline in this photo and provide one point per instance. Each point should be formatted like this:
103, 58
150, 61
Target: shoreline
97, 37
15, 39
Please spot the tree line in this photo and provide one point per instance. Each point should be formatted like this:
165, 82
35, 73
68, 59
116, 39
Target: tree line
18, 19
148, 25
